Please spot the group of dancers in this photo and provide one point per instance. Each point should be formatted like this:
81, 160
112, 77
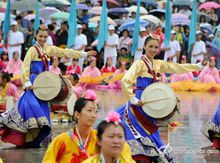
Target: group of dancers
126, 135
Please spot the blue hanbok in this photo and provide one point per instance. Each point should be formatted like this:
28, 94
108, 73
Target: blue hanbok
141, 130
28, 123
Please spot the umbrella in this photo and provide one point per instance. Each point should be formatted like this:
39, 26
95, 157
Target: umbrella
25, 5
117, 10
96, 10
148, 2
207, 26
199, 14
56, 3
60, 15
30, 17
151, 18
2, 16
130, 25
209, 5
81, 6
143, 11
157, 12
47, 11
182, 3
110, 3
210, 31
97, 19
180, 19
214, 48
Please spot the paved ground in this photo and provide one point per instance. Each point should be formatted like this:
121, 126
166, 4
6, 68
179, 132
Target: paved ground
189, 144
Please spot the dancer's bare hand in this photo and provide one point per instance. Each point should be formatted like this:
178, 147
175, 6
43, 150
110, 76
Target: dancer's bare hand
91, 53
30, 87
140, 103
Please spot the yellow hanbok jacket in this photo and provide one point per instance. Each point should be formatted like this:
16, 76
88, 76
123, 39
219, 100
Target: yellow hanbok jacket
139, 69
125, 157
64, 150
50, 51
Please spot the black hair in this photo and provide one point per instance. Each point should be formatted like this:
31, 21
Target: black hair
106, 64
41, 29
50, 27
14, 53
6, 76
149, 38
75, 76
123, 48
103, 125
79, 105
19, 17
75, 59
4, 53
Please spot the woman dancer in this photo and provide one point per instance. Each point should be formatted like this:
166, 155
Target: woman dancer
141, 130
28, 124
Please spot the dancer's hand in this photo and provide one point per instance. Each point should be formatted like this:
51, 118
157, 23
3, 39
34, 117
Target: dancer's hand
29, 88
205, 62
140, 103
91, 53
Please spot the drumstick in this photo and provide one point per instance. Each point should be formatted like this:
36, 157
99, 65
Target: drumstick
155, 100
43, 87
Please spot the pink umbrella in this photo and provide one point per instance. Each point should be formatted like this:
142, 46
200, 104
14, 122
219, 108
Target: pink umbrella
111, 3
209, 5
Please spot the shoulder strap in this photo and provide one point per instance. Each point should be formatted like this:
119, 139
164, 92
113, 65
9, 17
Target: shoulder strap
43, 58
150, 71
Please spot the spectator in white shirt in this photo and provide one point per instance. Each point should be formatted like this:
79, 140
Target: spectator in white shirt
172, 52
15, 40
198, 49
110, 49
140, 45
80, 44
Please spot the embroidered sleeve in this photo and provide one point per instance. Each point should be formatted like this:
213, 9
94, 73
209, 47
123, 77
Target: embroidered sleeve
55, 150
130, 78
25, 68
165, 67
69, 53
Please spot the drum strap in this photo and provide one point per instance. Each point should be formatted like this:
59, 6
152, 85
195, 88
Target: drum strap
147, 124
43, 58
152, 72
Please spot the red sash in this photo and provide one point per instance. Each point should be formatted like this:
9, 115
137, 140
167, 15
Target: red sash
147, 124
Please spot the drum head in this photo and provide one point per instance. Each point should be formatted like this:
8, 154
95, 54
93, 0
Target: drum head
71, 103
159, 100
47, 86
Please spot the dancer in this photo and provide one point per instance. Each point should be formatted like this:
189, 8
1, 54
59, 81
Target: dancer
141, 130
111, 140
28, 124
79, 143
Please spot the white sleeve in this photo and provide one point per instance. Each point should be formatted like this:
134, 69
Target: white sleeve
203, 47
178, 48
85, 40
21, 38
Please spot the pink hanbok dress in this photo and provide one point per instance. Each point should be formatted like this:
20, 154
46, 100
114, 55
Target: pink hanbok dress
55, 70
209, 75
182, 77
91, 72
117, 84
11, 91
14, 67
